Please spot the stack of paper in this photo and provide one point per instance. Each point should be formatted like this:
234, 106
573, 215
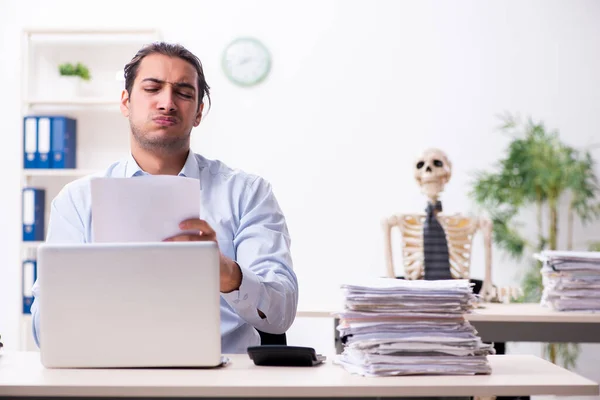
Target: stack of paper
401, 327
571, 280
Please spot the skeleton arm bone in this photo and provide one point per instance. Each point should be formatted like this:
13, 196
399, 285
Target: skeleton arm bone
388, 224
486, 226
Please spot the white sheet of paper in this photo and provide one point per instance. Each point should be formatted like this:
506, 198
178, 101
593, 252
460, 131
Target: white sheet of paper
142, 209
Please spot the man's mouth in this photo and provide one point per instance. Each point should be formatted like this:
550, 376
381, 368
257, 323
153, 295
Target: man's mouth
165, 121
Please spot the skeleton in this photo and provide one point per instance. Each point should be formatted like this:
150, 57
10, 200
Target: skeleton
432, 172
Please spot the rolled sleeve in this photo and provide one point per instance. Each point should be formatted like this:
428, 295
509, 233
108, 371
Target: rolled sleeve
262, 248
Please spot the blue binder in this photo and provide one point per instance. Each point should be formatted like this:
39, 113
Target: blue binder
29, 278
34, 205
30, 142
43, 142
64, 142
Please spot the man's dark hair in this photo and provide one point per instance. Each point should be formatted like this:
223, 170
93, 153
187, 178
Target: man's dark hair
171, 50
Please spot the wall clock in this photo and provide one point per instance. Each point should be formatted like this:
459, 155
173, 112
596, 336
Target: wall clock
246, 61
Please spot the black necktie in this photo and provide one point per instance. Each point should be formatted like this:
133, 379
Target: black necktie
435, 246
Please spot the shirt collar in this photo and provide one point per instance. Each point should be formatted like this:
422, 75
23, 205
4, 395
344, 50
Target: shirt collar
190, 169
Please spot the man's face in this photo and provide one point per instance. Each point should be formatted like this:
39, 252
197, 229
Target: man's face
163, 104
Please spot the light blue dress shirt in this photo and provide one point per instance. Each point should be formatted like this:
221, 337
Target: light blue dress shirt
251, 230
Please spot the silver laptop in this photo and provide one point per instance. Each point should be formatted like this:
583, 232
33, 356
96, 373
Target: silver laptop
129, 305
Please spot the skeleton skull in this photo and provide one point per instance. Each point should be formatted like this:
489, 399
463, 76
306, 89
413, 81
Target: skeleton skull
432, 171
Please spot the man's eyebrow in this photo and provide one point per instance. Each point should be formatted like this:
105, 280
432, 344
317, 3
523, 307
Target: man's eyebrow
178, 84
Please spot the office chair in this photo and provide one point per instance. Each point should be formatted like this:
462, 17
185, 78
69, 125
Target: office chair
272, 338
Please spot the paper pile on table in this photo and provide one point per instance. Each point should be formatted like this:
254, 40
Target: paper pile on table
402, 327
571, 280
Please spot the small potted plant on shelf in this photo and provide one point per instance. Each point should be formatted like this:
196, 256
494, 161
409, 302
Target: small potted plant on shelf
71, 76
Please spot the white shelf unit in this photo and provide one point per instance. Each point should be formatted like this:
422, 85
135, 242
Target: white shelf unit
102, 132
75, 173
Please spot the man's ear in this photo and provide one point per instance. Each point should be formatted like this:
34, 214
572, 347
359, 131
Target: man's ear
125, 103
199, 115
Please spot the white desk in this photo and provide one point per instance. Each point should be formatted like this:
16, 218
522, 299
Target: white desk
22, 375
516, 322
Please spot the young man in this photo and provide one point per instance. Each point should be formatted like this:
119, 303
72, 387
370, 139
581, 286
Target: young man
163, 100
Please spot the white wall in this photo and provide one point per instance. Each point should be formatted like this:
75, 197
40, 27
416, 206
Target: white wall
357, 89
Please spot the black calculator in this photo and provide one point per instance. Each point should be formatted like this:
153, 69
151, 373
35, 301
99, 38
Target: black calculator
285, 356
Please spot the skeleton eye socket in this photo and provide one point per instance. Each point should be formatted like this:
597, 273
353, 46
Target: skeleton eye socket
420, 164
438, 163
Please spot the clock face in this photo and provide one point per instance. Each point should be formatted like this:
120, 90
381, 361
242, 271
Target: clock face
246, 61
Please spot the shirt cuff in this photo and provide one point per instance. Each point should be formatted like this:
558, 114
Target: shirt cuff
245, 300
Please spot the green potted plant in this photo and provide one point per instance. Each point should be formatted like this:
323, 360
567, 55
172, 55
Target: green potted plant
71, 77
538, 170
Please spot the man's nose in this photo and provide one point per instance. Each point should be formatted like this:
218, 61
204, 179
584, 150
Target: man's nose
166, 101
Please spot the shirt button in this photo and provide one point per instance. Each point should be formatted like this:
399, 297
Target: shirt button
246, 296
236, 301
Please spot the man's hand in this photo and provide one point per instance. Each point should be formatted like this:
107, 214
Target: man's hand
231, 275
